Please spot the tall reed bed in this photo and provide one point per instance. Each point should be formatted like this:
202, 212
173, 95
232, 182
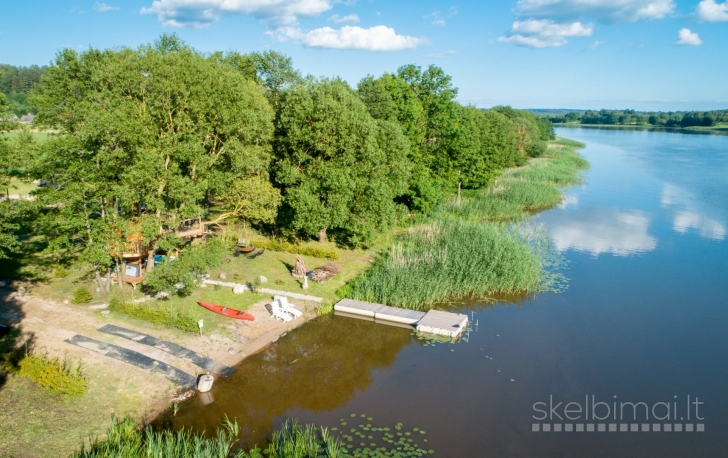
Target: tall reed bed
125, 440
471, 247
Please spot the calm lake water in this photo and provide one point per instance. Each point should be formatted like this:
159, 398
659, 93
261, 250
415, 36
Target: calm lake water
644, 319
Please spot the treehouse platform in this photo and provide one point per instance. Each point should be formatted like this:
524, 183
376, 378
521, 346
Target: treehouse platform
432, 322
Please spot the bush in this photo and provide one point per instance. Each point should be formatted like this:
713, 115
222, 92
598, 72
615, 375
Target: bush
82, 295
186, 269
305, 250
60, 272
155, 312
58, 376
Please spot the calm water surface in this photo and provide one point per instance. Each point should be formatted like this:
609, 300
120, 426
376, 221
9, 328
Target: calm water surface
644, 319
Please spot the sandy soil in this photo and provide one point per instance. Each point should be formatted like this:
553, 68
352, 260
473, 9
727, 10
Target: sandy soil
50, 323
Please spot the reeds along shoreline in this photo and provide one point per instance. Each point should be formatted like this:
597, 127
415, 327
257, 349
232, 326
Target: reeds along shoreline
480, 245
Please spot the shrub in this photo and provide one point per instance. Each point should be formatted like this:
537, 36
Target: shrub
305, 250
155, 312
58, 376
60, 272
82, 295
186, 269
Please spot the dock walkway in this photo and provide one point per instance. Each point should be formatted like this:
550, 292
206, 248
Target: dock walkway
433, 322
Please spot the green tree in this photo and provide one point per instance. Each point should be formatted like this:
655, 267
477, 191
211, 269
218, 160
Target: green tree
154, 134
339, 168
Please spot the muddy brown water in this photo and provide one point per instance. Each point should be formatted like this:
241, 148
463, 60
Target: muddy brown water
644, 320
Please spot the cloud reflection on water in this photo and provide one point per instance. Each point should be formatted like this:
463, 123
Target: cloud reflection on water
689, 216
597, 231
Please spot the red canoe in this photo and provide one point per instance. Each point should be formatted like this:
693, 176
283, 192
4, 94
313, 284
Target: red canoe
227, 311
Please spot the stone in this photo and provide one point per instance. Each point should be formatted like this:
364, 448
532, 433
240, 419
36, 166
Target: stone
239, 289
65, 302
22, 290
223, 276
232, 351
3, 284
263, 279
203, 285
305, 283
105, 312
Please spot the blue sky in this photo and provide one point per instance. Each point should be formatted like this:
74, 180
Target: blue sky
642, 54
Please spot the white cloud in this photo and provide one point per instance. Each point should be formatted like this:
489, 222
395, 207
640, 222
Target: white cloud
336, 19
604, 10
597, 232
377, 38
436, 55
545, 33
596, 44
686, 37
201, 13
104, 8
710, 11
436, 18
439, 22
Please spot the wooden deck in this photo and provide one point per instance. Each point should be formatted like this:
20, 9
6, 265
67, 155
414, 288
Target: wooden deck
433, 322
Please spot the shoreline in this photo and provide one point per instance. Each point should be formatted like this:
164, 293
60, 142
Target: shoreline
721, 130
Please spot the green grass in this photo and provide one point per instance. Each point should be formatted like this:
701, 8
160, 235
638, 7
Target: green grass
466, 250
569, 143
448, 261
19, 187
39, 136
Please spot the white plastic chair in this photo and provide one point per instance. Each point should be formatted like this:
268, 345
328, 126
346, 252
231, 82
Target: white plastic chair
286, 307
277, 313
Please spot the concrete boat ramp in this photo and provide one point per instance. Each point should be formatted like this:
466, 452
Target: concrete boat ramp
432, 322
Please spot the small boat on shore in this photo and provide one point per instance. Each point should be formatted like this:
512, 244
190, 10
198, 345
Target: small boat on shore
227, 311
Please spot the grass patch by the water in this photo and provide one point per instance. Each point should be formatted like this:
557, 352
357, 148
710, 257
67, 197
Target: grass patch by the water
569, 143
125, 440
450, 260
466, 249
60, 377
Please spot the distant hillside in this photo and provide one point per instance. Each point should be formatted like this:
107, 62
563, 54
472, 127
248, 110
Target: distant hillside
16, 82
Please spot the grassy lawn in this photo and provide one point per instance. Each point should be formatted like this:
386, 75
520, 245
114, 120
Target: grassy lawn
20, 187
38, 423
39, 136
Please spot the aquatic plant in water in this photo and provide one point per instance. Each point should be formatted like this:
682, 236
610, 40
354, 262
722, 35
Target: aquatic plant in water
368, 440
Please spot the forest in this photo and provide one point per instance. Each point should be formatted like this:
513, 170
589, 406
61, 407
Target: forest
16, 83
163, 132
632, 117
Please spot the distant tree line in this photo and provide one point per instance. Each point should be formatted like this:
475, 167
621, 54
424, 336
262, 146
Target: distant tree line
16, 83
163, 132
632, 117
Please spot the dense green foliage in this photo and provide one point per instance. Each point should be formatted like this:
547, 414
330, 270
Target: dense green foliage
151, 136
16, 83
60, 377
657, 119
184, 272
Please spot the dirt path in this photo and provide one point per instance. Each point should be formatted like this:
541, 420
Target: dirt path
114, 386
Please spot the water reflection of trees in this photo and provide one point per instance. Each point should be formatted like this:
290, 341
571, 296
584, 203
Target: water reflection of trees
319, 367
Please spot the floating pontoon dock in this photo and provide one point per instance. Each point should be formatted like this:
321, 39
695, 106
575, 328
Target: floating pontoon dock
432, 322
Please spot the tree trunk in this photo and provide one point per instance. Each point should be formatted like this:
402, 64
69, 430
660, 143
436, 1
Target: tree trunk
459, 183
123, 269
118, 274
108, 279
98, 277
322, 235
150, 261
